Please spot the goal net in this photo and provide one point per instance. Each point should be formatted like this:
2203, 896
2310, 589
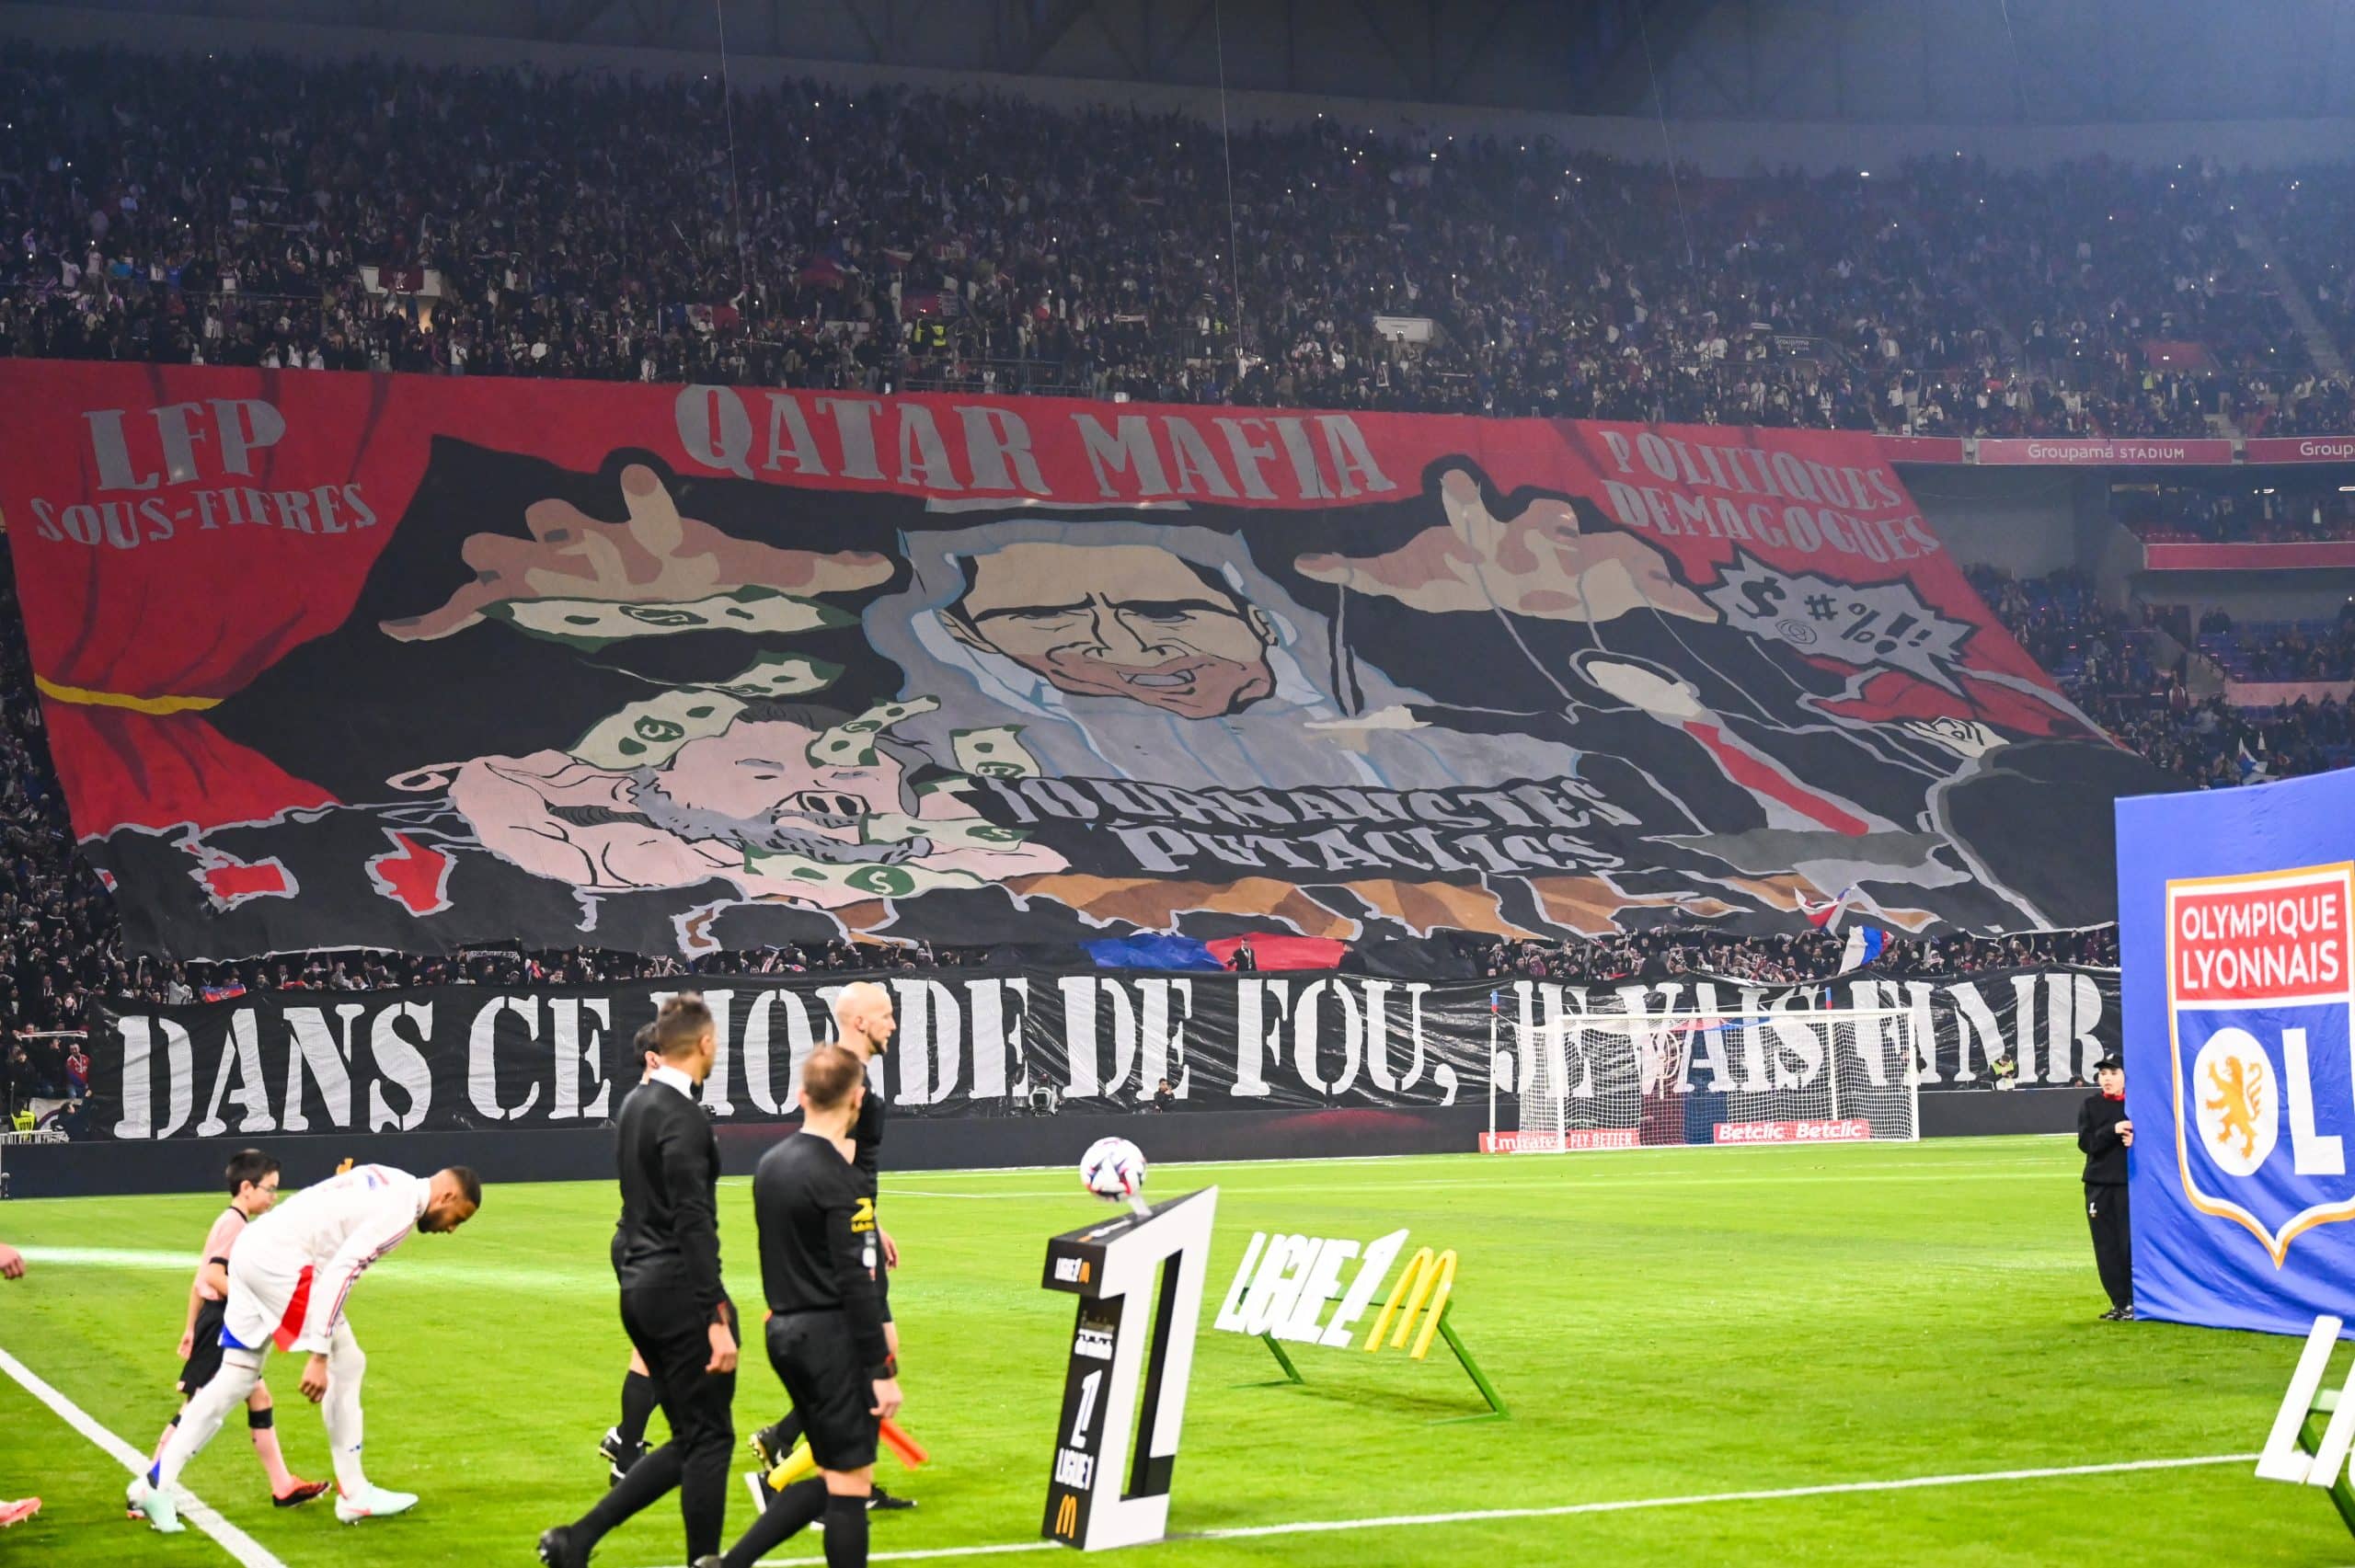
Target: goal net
1627, 1081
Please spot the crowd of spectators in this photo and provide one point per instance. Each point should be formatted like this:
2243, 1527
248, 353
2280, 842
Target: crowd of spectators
227, 210
2284, 650
1788, 959
2271, 514
2102, 659
2309, 212
2095, 651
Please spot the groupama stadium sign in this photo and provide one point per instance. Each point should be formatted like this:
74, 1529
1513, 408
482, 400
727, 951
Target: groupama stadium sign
419, 663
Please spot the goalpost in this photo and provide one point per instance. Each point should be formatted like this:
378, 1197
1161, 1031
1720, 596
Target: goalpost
1634, 1079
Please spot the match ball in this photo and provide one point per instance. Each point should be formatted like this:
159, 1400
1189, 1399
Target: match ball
1113, 1169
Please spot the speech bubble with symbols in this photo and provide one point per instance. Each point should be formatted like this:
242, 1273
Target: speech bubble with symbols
1883, 623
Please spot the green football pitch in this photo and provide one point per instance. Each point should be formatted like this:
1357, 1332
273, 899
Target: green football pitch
1864, 1354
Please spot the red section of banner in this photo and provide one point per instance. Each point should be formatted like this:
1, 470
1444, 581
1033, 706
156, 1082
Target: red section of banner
1920, 449
2157, 452
2187, 556
2299, 448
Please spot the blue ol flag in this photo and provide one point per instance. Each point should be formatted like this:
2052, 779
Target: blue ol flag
2234, 927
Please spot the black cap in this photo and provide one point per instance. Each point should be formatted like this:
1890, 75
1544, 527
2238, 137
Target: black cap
2109, 1064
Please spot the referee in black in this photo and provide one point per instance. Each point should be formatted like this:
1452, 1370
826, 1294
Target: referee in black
864, 1024
2105, 1134
820, 1257
678, 1317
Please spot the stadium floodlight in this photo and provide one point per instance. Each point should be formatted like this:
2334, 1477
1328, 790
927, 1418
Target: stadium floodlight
1634, 1079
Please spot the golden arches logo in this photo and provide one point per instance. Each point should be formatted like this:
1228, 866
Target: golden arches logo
1067, 1516
1427, 1279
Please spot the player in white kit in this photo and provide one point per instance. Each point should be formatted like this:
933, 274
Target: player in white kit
289, 1275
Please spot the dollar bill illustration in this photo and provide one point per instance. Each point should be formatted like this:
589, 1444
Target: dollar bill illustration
992, 753
872, 879
851, 744
780, 675
649, 734
592, 622
944, 832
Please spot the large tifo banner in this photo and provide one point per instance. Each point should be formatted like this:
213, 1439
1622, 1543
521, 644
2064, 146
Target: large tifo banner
2235, 923
416, 663
979, 1043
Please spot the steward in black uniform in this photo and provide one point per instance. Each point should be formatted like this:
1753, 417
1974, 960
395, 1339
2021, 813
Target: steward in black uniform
2105, 1134
820, 1257
676, 1312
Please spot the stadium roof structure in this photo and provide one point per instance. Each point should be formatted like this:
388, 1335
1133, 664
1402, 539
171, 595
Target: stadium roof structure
1872, 61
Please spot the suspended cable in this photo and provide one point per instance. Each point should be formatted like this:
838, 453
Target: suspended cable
1660, 110
735, 192
1226, 147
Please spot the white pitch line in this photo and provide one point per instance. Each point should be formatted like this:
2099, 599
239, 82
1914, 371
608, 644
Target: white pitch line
1810, 1179
240, 1546
1948, 1156
1563, 1510
394, 1270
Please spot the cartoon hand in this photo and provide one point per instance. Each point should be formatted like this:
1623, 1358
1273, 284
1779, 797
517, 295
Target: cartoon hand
655, 557
1538, 563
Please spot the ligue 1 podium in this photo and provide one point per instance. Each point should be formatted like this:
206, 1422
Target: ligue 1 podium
1138, 1279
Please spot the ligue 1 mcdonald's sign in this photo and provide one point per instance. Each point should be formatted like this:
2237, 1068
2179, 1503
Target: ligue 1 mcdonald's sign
1285, 1284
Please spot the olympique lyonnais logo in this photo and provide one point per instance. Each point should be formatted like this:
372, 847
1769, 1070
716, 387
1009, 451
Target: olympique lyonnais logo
1830, 1129
2260, 986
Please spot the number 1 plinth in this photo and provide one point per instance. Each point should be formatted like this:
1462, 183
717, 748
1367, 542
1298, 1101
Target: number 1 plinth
1111, 1268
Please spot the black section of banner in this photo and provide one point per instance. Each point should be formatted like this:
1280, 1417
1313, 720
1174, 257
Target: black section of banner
1001, 1043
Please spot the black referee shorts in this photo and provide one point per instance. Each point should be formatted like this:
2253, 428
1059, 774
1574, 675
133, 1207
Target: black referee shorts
204, 1349
818, 1366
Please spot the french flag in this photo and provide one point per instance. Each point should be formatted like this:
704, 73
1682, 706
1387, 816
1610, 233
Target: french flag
1827, 918
1864, 945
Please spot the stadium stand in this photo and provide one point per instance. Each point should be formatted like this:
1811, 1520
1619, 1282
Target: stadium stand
2267, 514
225, 212
2101, 658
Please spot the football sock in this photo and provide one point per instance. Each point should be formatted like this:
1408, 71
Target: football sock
262, 1425
202, 1418
792, 1510
648, 1479
785, 1433
847, 1532
638, 1407
169, 1427
347, 1365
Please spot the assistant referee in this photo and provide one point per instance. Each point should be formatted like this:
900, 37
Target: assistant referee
864, 1024
819, 1261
